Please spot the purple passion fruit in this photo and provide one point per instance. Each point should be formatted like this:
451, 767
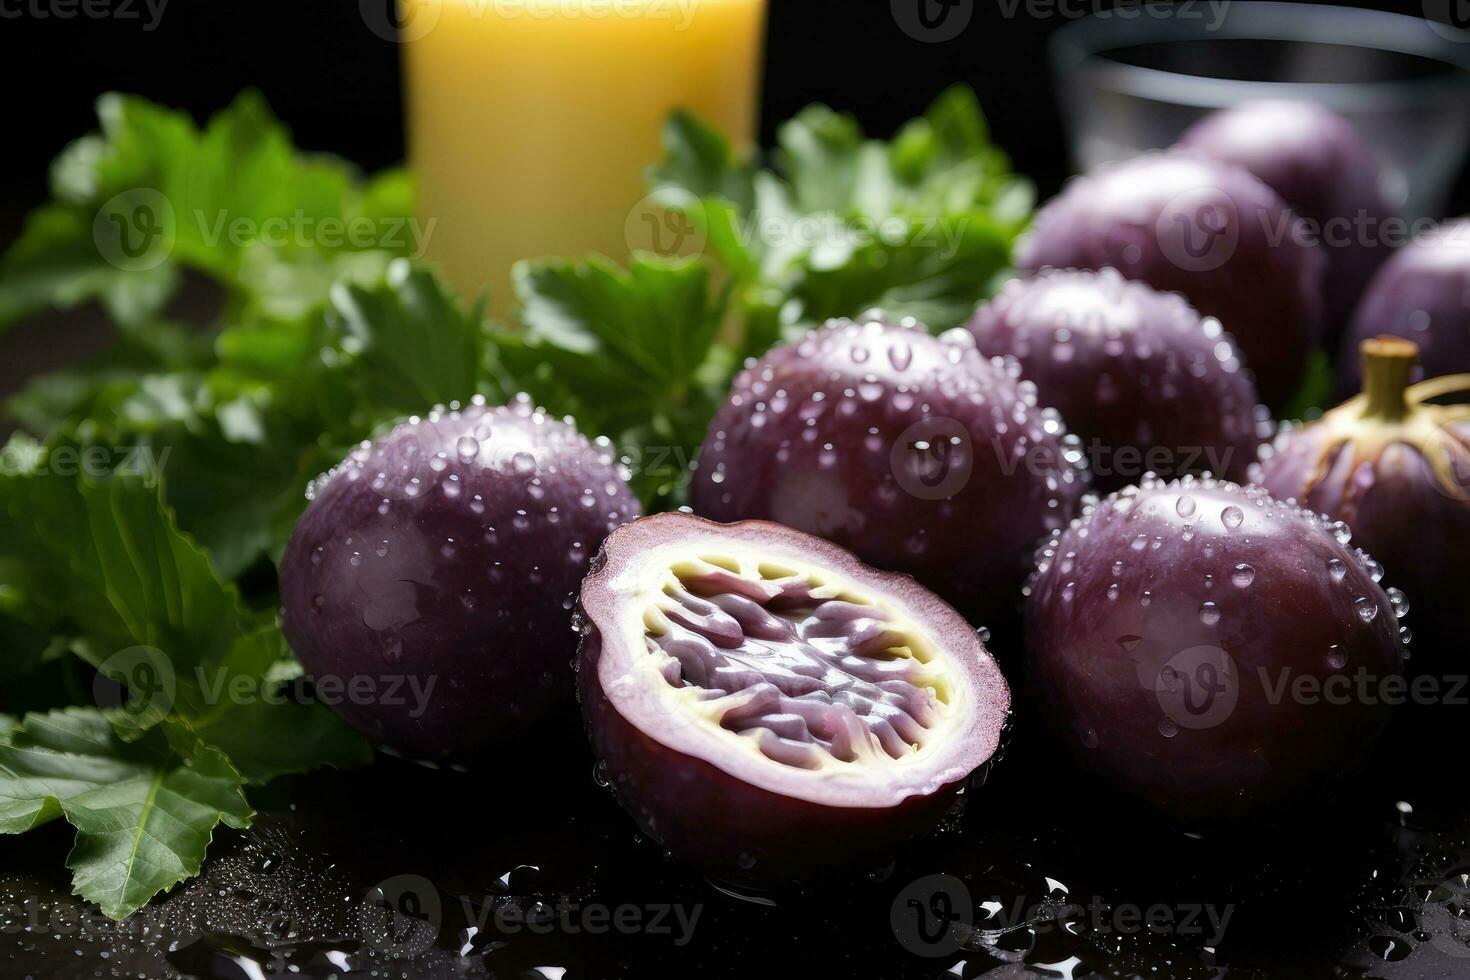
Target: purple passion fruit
915, 452
770, 708
1209, 230
1146, 382
1397, 468
1212, 650
1311, 157
435, 571
1421, 294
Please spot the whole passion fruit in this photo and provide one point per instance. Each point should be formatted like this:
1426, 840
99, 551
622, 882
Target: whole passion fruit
916, 452
431, 580
1212, 650
770, 708
1142, 379
1421, 294
1397, 468
1314, 159
1184, 223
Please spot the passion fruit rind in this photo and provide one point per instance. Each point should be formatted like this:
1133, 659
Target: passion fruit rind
1170, 630
916, 452
771, 709
437, 566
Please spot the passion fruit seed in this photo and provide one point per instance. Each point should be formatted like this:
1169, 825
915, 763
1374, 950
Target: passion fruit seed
810, 671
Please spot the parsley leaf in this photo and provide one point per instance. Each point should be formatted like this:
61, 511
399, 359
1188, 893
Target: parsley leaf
922, 225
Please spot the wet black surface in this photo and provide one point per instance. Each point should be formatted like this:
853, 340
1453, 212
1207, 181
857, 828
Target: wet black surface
400, 870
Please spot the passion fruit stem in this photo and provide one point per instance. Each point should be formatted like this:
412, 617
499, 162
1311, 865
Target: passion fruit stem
1388, 363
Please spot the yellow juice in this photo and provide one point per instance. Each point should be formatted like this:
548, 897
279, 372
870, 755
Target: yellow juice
531, 122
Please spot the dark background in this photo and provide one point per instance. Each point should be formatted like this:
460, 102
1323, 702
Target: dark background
337, 83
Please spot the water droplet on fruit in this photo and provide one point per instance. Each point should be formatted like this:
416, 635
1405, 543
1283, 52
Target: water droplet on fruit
1185, 506
468, 447
1209, 614
1367, 609
1243, 576
1337, 569
1168, 727
1336, 659
1232, 517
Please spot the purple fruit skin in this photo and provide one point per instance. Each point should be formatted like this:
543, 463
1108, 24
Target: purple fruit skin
1314, 159
1135, 373
971, 545
1401, 515
485, 615
1422, 293
1266, 288
720, 823
1098, 652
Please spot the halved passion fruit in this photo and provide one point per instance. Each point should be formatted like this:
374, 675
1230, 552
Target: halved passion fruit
772, 709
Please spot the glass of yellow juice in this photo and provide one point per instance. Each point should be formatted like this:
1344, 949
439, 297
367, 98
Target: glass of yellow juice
532, 122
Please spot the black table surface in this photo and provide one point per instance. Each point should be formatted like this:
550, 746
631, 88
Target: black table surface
527, 868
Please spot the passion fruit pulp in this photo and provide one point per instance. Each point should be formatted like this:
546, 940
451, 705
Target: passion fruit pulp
771, 709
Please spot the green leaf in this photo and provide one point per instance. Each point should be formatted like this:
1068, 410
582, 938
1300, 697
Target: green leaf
411, 342
274, 735
630, 353
153, 193
1317, 391
105, 562
144, 816
922, 226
